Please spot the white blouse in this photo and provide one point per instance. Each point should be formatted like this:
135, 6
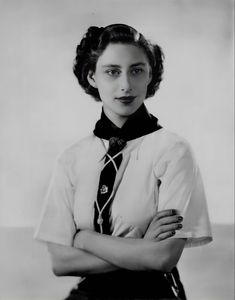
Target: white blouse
161, 156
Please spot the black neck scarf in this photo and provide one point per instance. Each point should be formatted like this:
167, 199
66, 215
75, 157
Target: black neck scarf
139, 124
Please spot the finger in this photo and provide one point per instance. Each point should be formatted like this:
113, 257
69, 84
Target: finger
168, 228
166, 213
165, 221
157, 231
170, 220
165, 235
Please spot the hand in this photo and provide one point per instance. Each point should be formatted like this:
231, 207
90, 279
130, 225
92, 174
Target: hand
164, 225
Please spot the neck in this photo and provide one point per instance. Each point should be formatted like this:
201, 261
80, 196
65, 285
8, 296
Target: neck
119, 121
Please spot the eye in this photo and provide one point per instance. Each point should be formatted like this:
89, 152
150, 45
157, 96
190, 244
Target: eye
137, 71
113, 72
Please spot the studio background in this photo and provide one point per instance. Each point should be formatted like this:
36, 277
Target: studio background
43, 111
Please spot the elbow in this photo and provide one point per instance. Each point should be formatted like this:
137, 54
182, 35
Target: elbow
167, 264
57, 272
58, 261
63, 261
163, 263
61, 268
166, 256
57, 267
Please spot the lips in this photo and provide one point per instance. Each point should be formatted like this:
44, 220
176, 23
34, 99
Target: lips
126, 99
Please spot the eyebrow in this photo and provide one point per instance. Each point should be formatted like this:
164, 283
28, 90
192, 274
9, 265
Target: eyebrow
118, 66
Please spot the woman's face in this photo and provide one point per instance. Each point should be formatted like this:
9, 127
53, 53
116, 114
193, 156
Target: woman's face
122, 76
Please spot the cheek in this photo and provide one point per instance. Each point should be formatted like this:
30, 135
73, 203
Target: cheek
141, 85
106, 88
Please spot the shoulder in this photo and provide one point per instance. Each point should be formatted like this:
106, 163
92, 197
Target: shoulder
163, 141
170, 149
78, 150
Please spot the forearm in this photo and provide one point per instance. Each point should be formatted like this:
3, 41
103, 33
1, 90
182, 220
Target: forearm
69, 261
132, 254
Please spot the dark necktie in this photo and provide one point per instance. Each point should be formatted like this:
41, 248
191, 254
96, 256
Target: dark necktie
103, 203
139, 124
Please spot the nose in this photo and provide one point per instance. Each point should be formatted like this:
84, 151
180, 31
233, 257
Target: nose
125, 83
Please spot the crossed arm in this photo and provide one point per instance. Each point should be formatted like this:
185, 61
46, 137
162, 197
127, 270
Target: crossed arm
94, 253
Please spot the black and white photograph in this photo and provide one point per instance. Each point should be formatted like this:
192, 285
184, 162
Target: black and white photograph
117, 150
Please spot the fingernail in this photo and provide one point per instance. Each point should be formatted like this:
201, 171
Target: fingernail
173, 232
180, 226
180, 218
173, 211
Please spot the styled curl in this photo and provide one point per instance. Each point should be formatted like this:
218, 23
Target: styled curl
95, 41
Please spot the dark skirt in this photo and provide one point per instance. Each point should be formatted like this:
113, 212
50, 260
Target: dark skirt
130, 285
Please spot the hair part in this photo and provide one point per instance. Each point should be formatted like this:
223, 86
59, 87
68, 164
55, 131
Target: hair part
95, 41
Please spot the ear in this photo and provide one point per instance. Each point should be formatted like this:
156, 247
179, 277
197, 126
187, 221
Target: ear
150, 76
91, 79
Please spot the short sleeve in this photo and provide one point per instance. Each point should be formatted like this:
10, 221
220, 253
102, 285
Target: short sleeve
181, 188
57, 222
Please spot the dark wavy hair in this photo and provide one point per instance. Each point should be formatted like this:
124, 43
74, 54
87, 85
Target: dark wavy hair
95, 42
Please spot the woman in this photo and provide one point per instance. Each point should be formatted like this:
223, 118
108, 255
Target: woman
126, 200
